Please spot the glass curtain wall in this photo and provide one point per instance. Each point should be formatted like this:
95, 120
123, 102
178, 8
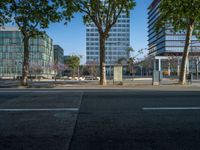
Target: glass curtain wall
11, 54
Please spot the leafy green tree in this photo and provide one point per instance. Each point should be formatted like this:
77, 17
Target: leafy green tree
32, 16
104, 14
73, 63
4, 14
123, 60
129, 50
183, 15
131, 66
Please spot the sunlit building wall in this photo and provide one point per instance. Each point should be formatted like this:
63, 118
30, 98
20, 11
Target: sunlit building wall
116, 45
11, 53
166, 41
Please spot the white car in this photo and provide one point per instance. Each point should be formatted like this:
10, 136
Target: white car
75, 78
81, 78
98, 78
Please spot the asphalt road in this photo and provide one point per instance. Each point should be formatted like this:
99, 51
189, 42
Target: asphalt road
37, 120
99, 120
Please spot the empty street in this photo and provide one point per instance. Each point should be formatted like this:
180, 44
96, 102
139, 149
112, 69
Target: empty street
99, 120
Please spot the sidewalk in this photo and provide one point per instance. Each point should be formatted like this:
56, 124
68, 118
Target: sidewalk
168, 85
127, 84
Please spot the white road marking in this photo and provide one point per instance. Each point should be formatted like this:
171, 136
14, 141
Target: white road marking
39, 109
170, 108
50, 91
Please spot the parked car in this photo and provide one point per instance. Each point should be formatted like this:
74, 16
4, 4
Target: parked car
75, 78
98, 78
82, 78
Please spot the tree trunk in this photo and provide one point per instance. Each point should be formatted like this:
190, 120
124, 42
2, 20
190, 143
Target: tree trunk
190, 28
25, 62
102, 61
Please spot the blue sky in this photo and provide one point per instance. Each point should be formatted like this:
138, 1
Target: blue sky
72, 37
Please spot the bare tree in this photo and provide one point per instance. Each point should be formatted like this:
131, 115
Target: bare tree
35, 69
92, 68
57, 68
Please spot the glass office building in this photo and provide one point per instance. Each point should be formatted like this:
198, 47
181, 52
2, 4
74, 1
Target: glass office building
116, 45
58, 54
166, 42
11, 53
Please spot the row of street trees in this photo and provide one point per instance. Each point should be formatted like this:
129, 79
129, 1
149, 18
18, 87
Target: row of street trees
33, 16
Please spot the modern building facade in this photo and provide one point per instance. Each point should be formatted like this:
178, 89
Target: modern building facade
166, 42
11, 53
58, 54
116, 45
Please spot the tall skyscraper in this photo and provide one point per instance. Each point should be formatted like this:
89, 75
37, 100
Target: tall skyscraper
116, 45
166, 42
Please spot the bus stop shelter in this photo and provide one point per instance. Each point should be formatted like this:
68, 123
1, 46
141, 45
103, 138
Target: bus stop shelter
158, 70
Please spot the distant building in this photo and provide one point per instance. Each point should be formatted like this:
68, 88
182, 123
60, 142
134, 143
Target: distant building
11, 53
166, 42
116, 45
58, 55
